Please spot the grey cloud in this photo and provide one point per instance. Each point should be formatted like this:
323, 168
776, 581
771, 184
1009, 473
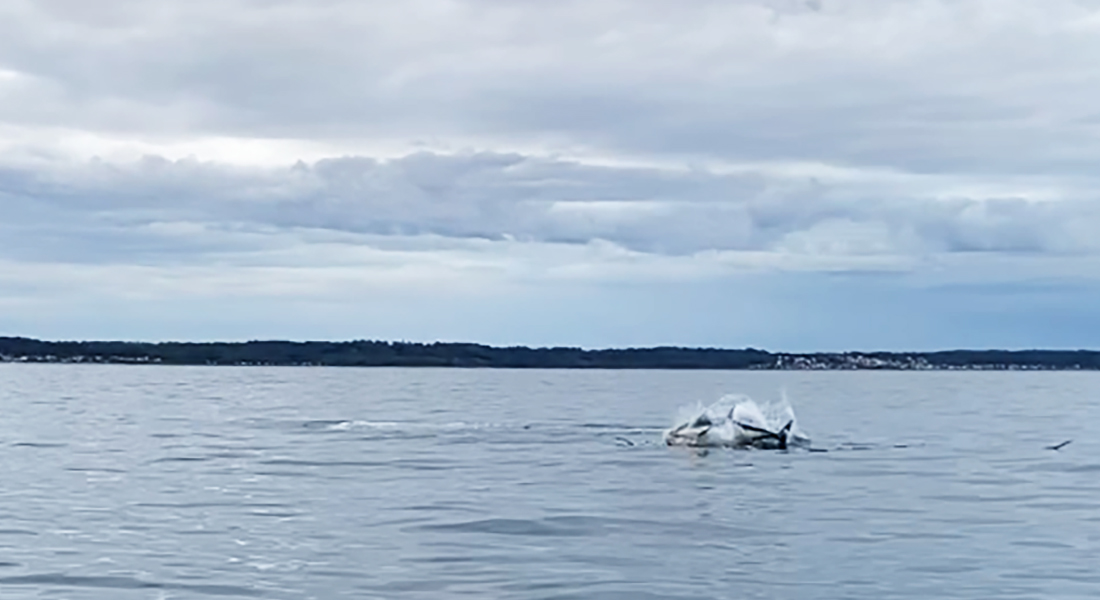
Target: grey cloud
730, 146
931, 85
155, 208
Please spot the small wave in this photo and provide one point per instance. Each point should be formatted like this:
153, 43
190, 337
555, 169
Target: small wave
607, 426
550, 527
357, 424
289, 462
547, 432
180, 459
95, 470
125, 583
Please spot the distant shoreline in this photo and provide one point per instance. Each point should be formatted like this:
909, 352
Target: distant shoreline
364, 353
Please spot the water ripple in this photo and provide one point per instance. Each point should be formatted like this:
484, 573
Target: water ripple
125, 583
326, 483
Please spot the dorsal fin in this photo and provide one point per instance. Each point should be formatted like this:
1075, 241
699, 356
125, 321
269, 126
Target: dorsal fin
784, 434
702, 421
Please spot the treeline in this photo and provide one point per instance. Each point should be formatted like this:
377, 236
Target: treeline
377, 354
366, 353
1050, 359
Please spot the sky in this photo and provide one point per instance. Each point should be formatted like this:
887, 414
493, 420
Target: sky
794, 175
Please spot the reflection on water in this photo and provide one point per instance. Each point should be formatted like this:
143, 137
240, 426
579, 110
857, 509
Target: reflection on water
164, 482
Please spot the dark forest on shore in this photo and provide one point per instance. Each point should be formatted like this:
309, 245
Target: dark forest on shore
365, 353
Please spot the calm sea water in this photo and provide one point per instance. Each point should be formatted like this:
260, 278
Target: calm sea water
173, 482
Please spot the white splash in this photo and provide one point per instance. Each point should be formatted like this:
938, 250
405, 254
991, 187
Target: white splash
737, 421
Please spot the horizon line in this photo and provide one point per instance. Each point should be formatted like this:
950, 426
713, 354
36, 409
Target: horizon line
443, 342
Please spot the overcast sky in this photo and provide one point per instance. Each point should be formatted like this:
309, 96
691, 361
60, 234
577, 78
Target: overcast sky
785, 174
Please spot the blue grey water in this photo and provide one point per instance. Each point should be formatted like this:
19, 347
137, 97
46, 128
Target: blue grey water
178, 482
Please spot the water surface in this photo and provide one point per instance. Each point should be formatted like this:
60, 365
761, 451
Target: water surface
189, 482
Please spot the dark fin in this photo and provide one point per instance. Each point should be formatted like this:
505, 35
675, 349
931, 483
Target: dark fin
1059, 446
785, 433
701, 421
624, 441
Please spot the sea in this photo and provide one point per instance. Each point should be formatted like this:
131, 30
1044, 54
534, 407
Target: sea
157, 482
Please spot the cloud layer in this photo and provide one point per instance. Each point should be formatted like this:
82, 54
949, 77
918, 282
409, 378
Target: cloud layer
799, 210
573, 151
927, 85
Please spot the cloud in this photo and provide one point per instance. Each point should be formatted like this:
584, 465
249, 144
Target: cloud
326, 150
922, 85
140, 207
